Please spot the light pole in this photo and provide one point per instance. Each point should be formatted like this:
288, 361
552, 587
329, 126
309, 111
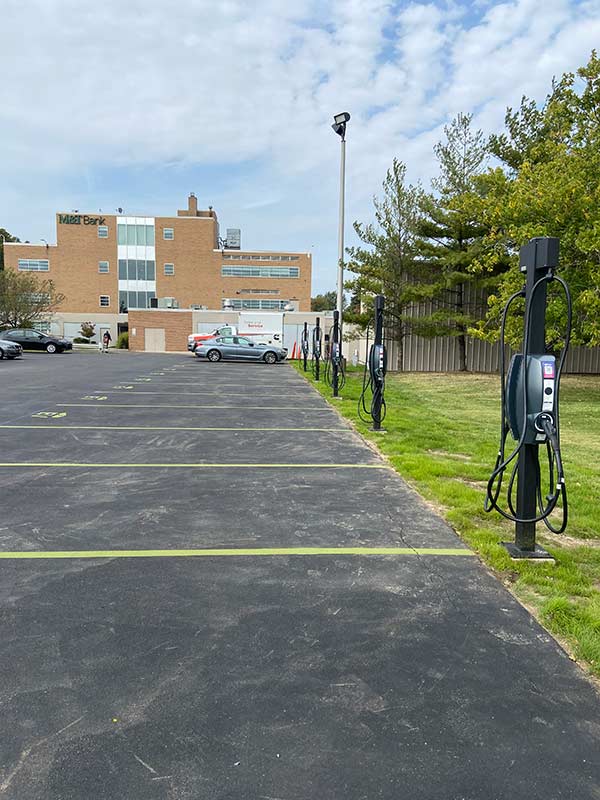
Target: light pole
339, 126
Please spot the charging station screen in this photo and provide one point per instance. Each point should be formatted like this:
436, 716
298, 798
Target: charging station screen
548, 369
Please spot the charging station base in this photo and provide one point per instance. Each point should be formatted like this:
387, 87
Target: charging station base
377, 430
517, 553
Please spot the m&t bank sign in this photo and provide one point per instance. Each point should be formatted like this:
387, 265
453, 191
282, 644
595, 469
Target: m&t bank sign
80, 219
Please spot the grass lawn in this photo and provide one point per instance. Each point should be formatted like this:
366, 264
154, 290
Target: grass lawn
442, 437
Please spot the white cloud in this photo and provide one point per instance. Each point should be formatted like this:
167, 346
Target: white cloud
92, 89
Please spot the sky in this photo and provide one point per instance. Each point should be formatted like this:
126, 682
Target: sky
136, 104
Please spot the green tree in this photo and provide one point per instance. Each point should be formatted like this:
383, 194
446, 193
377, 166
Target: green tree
324, 302
451, 238
5, 236
549, 185
88, 330
385, 261
26, 299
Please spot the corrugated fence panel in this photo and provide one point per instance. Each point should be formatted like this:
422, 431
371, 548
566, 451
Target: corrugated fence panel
584, 360
441, 354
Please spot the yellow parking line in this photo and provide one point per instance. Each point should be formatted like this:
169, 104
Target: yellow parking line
162, 428
192, 465
178, 392
263, 551
295, 409
254, 384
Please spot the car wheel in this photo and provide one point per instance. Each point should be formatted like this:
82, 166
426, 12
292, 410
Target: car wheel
213, 355
50, 348
1, 353
269, 358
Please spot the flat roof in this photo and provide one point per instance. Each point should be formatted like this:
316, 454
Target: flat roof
29, 244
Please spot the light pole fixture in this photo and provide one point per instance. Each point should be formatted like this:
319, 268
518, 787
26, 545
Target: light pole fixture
339, 126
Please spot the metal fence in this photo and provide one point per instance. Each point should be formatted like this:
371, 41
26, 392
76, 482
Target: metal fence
441, 355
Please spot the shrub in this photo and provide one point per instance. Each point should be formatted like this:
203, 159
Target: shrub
123, 341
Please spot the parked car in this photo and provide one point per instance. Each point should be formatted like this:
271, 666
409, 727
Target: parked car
238, 348
10, 349
30, 339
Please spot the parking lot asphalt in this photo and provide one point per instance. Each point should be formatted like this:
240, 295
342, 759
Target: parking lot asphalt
211, 587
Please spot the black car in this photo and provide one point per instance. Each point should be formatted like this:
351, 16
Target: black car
30, 339
9, 349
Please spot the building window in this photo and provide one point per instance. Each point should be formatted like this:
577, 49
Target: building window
129, 300
33, 265
135, 234
251, 257
260, 291
104, 301
248, 271
263, 305
103, 231
103, 266
169, 269
136, 269
168, 233
37, 297
42, 327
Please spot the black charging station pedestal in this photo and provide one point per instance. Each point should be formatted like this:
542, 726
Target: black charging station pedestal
305, 345
317, 348
378, 352
336, 354
536, 258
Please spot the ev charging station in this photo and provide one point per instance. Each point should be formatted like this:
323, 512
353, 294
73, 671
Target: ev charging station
305, 345
530, 409
334, 368
317, 343
377, 366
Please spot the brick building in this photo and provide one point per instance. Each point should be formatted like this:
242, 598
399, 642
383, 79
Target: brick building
107, 264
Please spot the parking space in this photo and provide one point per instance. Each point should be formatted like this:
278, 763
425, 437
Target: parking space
212, 587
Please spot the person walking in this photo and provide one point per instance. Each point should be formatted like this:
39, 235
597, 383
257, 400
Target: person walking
106, 340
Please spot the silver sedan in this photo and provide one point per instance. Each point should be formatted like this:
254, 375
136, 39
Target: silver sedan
238, 348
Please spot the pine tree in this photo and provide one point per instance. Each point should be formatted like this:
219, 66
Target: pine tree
450, 239
386, 261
